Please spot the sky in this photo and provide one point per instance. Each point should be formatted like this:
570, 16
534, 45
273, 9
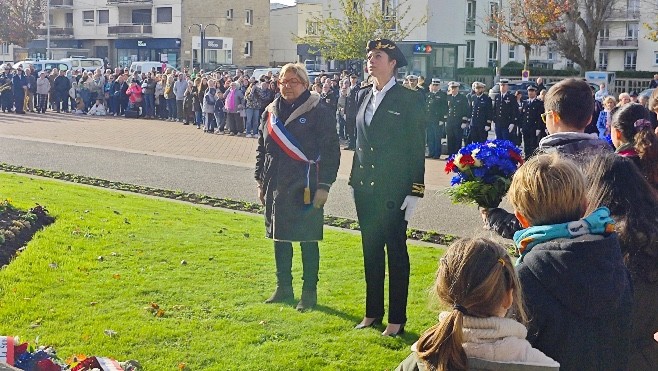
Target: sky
287, 2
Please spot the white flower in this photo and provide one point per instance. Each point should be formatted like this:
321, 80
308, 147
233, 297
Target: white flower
477, 163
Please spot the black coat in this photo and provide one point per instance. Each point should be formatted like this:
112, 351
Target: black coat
531, 117
458, 110
389, 158
579, 299
481, 111
62, 84
287, 218
436, 106
19, 82
505, 109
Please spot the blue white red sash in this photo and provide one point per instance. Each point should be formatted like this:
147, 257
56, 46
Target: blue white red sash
289, 144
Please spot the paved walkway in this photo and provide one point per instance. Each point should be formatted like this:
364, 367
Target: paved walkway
183, 157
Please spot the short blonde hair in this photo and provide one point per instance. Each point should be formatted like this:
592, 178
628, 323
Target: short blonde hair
548, 189
298, 69
608, 99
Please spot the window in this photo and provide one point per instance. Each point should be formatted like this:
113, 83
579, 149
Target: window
4, 48
511, 54
632, 31
103, 16
311, 28
68, 20
633, 6
248, 46
163, 15
604, 33
141, 16
88, 17
630, 60
493, 53
603, 60
470, 53
471, 6
390, 12
493, 9
249, 17
229, 14
655, 58
551, 53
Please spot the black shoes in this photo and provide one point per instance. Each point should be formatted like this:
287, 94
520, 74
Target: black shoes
281, 294
308, 301
375, 322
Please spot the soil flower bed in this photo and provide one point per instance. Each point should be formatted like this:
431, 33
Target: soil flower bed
18, 226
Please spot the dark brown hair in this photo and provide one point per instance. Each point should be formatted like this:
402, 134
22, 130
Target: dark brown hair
573, 101
473, 277
616, 183
643, 137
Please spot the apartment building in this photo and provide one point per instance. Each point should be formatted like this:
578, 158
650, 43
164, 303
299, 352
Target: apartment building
235, 32
124, 31
286, 23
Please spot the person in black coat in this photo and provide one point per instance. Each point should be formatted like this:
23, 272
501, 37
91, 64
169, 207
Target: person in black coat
296, 163
436, 105
506, 113
6, 96
532, 126
457, 117
19, 86
387, 176
61, 87
481, 115
351, 108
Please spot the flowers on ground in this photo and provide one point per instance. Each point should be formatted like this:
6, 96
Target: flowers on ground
483, 172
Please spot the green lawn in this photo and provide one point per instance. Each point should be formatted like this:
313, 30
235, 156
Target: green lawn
62, 292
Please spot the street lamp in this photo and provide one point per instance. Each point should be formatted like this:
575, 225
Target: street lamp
202, 34
48, 30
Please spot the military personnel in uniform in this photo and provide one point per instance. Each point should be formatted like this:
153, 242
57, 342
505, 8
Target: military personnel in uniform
19, 86
387, 176
6, 95
481, 115
350, 111
505, 113
533, 128
436, 105
456, 117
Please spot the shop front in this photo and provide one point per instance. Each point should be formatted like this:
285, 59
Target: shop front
157, 50
217, 51
429, 59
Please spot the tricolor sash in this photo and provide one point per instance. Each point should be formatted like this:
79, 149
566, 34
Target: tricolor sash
289, 144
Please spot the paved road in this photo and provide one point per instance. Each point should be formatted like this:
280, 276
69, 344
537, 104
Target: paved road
173, 156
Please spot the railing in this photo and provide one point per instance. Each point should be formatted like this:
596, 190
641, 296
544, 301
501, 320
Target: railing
618, 43
132, 29
61, 3
129, 2
625, 14
56, 31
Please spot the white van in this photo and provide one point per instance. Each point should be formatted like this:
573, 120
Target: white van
87, 64
258, 72
44, 65
148, 66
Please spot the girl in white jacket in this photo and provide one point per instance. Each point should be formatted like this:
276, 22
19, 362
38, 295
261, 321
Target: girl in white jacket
477, 281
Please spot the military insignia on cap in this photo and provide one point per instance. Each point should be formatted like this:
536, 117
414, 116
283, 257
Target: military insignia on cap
302, 120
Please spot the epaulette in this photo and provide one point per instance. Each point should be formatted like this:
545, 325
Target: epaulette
366, 87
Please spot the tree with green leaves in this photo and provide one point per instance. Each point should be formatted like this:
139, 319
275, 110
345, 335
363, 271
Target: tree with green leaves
345, 38
525, 22
22, 20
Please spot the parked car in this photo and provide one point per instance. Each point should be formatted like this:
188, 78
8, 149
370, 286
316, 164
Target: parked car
259, 72
44, 65
148, 66
595, 87
85, 64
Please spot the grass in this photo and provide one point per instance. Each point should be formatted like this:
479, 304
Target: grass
110, 255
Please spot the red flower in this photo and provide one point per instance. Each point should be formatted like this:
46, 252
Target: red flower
515, 156
467, 160
450, 166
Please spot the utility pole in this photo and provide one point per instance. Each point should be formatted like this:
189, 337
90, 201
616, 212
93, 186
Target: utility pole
499, 47
202, 35
48, 30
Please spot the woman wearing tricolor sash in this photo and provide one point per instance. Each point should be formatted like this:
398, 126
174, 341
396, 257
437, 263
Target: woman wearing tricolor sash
297, 161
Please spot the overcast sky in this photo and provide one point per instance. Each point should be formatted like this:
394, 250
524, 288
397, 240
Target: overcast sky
287, 2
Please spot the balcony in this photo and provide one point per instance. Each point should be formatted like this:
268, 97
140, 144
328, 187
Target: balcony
624, 15
56, 32
64, 4
129, 2
618, 44
128, 30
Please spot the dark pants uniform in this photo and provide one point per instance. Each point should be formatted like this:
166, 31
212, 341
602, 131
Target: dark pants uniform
6, 100
477, 134
310, 262
382, 225
454, 134
19, 100
530, 143
434, 133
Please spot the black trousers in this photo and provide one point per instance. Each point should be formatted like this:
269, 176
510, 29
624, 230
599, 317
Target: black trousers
19, 101
454, 133
310, 263
382, 225
477, 134
530, 143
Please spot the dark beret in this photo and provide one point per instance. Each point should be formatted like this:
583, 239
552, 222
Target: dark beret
390, 48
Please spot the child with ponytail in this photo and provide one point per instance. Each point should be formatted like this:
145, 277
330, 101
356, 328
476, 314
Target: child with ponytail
477, 281
633, 136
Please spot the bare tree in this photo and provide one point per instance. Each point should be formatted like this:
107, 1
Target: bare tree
21, 21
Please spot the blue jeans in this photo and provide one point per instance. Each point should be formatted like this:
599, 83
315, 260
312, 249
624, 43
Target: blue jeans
341, 125
220, 120
198, 118
149, 105
252, 120
171, 108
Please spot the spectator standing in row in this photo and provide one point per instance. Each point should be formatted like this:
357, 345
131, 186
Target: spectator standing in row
654, 82
160, 101
61, 89
220, 114
148, 90
43, 87
234, 103
31, 89
172, 105
253, 106
179, 88
208, 107
351, 109
19, 86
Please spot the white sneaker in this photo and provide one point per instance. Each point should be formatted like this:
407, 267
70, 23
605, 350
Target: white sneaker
248, 136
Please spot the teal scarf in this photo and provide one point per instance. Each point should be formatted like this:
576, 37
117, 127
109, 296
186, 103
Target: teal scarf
599, 222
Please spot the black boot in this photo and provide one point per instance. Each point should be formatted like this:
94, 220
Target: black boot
283, 259
309, 300
281, 294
